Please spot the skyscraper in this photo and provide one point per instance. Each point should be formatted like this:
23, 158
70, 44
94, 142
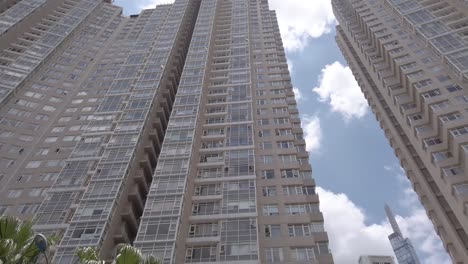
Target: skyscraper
410, 60
403, 248
371, 259
175, 130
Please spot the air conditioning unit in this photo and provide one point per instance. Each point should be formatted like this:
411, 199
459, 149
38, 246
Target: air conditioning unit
192, 230
195, 208
222, 249
189, 254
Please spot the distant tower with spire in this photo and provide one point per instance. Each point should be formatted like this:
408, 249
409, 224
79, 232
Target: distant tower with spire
404, 250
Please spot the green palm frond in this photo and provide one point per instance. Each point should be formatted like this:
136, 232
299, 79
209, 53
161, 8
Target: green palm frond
126, 254
17, 241
8, 227
150, 260
88, 255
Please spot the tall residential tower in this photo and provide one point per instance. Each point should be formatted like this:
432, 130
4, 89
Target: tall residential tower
410, 58
403, 248
175, 130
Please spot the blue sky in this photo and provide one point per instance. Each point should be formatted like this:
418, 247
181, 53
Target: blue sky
353, 164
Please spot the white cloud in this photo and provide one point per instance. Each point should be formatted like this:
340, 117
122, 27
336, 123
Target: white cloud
300, 20
350, 235
338, 87
313, 132
298, 94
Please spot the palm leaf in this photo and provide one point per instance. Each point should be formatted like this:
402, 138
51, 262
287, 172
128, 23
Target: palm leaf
150, 260
8, 227
25, 234
126, 254
87, 254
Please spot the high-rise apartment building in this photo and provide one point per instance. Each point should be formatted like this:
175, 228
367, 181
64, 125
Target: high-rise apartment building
402, 246
371, 259
410, 58
175, 130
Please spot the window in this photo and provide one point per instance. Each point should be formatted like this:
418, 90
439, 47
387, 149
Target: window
50, 139
298, 190
263, 122
201, 254
283, 132
451, 117
58, 129
432, 141
267, 159
203, 230
443, 155
41, 117
422, 83
266, 145
274, 255
264, 133
290, 173
298, 230
459, 131
14, 193
272, 230
285, 159
65, 119
33, 164
262, 111
269, 191
281, 121
48, 108
414, 117
460, 189
430, 94
270, 210
268, 174
209, 189
84, 232
280, 110
302, 254
71, 110
3, 209
440, 105
452, 171
453, 88
298, 209
35, 192
443, 78
285, 144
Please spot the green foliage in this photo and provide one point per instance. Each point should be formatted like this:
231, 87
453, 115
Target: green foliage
126, 254
17, 241
88, 255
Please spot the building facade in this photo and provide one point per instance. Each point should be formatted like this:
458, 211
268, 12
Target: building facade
371, 259
410, 60
402, 247
175, 130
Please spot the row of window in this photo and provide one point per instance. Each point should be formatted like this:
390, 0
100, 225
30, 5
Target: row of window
289, 190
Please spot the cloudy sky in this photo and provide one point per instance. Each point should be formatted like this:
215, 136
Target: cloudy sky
353, 164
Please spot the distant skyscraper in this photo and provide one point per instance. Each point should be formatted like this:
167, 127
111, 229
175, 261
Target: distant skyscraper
376, 260
175, 130
403, 248
410, 58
